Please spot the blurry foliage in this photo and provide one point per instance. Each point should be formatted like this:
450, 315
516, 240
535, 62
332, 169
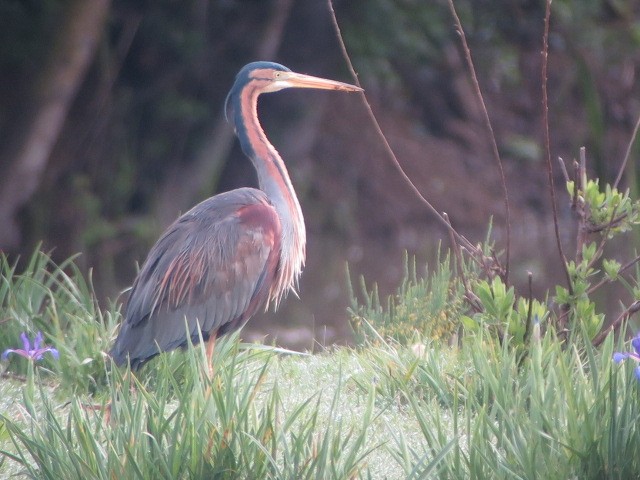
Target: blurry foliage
476, 298
25, 26
406, 47
393, 40
158, 83
161, 104
383, 34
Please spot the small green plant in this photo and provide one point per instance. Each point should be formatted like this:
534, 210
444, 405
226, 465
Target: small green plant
59, 302
606, 213
423, 308
609, 210
502, 313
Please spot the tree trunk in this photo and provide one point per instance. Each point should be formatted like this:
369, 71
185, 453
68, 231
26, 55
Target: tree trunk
71, 54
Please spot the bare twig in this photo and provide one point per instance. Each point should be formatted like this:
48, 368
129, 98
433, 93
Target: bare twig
623, 167
547, 143
492, 137
459, 238
614, 222
495, 265
626, 314
580, 208
563, 169
622, 269
576, 186
583, 169
473, 300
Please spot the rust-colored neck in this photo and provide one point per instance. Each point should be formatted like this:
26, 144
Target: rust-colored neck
274, 180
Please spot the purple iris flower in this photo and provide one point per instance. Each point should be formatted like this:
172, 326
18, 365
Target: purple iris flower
635, 355
34, 353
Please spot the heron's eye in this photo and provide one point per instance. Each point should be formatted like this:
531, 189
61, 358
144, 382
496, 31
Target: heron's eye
277, 75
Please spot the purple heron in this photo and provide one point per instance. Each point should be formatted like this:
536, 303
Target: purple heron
230, 255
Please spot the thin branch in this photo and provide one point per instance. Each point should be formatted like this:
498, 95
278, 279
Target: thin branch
496, 266
614, 222
626, 314
563, 169
622, 269
623, 167
492, 137
460, 238
581, 207
576, 186
583, 169
473, 300
547, 143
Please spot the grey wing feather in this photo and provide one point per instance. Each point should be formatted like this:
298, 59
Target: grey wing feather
205, 275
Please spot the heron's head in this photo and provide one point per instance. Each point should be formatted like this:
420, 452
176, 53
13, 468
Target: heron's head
264, 77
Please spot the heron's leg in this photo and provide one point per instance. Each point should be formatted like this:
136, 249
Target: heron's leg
211, 344
108, 407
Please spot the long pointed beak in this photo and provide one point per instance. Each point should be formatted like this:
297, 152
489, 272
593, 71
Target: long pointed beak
300, 80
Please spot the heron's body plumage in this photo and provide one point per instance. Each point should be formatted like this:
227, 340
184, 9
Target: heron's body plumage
210, 272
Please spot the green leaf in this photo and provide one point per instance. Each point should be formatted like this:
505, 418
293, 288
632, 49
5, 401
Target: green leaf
611, 268
469, 323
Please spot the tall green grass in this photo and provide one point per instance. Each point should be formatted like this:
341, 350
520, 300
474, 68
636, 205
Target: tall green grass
234, 425
485, 411
483, 408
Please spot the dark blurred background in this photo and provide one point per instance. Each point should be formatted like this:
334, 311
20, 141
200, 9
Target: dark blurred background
111, 125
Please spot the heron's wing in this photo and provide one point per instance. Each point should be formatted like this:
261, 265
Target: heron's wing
209, 273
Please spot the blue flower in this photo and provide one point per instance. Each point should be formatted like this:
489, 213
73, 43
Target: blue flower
635, 355
34, 354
